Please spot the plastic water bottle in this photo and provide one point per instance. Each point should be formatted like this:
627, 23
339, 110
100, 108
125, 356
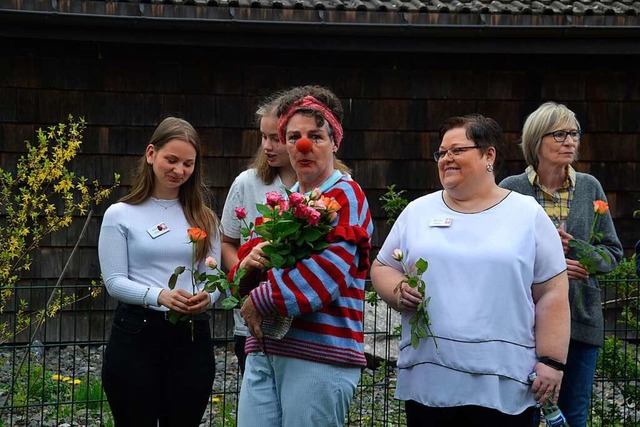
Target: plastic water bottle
552, 415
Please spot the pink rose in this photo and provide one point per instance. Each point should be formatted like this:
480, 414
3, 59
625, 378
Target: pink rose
318, 204
315, 194
296, 198
241, 212
211, 262
273, 198
301, 211
283, 205
397, 255
314, 217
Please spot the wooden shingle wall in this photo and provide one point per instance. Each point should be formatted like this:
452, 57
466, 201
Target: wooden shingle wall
394, 104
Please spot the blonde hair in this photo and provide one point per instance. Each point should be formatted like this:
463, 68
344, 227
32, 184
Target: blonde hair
259, 162
193, 194
548, 117
266, 173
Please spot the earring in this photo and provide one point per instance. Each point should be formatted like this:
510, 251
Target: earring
489, 167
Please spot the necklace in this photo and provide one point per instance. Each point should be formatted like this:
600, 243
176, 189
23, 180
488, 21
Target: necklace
167, 205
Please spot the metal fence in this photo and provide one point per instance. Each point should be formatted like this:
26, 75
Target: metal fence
50, 376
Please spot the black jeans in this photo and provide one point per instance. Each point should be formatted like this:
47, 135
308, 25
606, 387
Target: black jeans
153, 370
238, 349
419, 415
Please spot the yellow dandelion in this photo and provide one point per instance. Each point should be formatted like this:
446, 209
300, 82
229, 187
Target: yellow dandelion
56, 377
215, 399
66, 379
76, 381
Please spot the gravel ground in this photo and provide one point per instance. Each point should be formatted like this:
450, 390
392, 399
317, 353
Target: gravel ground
373, 405
76, 362
82, 362
373, 400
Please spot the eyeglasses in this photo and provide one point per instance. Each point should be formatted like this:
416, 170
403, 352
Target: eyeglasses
561, 135
452, 152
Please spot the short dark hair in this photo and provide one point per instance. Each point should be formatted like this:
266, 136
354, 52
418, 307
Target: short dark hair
484, 131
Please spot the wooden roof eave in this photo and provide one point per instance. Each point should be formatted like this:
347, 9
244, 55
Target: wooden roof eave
339, 30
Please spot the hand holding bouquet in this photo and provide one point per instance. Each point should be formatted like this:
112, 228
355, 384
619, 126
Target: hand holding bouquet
586, 252
212, 281
295, 227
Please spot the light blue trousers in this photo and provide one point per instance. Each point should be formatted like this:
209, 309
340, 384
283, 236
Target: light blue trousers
282, 391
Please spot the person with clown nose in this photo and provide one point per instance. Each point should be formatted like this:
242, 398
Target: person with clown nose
309, 376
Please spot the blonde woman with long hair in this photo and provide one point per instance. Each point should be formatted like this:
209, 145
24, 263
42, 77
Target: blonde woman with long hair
156, 372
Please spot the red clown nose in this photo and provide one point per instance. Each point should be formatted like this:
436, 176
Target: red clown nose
304, 145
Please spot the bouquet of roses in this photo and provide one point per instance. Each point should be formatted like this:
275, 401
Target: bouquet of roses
585, 251
212, 281
296, 225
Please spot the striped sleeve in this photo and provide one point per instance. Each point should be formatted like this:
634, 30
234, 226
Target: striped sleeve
316, 282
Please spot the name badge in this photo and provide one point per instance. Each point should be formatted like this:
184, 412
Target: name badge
440, 222
158, 230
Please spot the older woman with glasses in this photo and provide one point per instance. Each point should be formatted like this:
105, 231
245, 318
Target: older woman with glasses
550, 141
496, 286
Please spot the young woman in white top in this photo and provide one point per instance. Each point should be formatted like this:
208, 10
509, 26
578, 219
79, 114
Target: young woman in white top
156, 373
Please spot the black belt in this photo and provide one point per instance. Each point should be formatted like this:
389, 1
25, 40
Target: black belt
156, 314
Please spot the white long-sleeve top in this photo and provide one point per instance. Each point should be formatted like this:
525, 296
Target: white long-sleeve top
135, 266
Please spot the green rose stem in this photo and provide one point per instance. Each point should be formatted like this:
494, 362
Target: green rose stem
173, 315
193, 281
211, 282
584, 250
420, 322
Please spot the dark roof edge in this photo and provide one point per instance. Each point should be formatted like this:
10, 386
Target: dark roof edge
242, 27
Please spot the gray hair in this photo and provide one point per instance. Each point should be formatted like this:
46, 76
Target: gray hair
549, 117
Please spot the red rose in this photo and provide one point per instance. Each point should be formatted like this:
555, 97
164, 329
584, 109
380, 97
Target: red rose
241, 212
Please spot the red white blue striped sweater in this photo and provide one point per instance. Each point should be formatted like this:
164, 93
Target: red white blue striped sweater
324, 293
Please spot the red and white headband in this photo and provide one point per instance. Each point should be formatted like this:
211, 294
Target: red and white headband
310, 103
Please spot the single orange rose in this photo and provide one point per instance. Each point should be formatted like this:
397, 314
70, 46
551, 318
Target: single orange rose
589, 253
333, 206
600, 207
196, 234
326, 203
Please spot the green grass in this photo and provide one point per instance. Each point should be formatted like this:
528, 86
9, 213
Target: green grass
58, 396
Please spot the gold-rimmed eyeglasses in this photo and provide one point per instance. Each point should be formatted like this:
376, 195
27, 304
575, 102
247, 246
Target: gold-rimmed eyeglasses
452, 152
